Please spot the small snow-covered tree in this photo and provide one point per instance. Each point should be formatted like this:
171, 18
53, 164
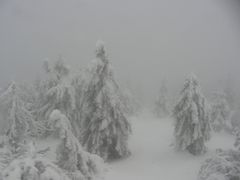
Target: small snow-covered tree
20, 121
192, 127
161, 104
220, 113
105, 128
70, 154
130, 105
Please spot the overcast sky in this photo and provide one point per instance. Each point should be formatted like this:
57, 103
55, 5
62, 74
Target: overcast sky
147, 40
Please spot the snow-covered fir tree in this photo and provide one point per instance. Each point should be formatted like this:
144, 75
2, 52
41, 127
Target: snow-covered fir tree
20, 122
105, 128
70, 155
191, 113
161, 104
58, 93
220, 113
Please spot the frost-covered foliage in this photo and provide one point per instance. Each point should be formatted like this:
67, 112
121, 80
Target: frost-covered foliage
19, 119
224, 165
192, 127
105, 128
220, 113
59, 93
161, 104
31, 166
70, 155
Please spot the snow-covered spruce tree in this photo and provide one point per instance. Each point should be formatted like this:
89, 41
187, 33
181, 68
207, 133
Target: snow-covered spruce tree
161, 104
59, 93
70, 155
20, 122
220, 113
105, 128
30, 165
192, 127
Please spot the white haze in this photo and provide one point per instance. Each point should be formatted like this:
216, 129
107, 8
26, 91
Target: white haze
147, 40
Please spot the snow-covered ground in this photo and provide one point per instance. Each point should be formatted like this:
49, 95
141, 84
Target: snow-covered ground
153, 157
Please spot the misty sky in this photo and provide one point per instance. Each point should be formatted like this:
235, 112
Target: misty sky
147, 40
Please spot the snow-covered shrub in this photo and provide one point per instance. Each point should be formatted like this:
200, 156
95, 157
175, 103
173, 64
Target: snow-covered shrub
192, 127
224, 165
70, 154
161, 104
105, 128
32, 168
220, 113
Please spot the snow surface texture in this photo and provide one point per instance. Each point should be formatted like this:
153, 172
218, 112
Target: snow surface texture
153, 157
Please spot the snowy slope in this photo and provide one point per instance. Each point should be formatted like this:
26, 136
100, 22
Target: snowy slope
153, 158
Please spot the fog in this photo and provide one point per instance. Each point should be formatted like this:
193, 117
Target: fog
147, 41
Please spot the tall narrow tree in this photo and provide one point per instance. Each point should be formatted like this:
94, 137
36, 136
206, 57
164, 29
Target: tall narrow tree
192, 127
105, 128
161, 104
220, 113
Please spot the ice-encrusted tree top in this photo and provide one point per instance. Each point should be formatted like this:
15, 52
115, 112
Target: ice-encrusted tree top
101, 51
192, 118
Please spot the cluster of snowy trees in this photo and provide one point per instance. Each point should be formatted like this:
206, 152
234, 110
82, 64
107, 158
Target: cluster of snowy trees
85, 111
